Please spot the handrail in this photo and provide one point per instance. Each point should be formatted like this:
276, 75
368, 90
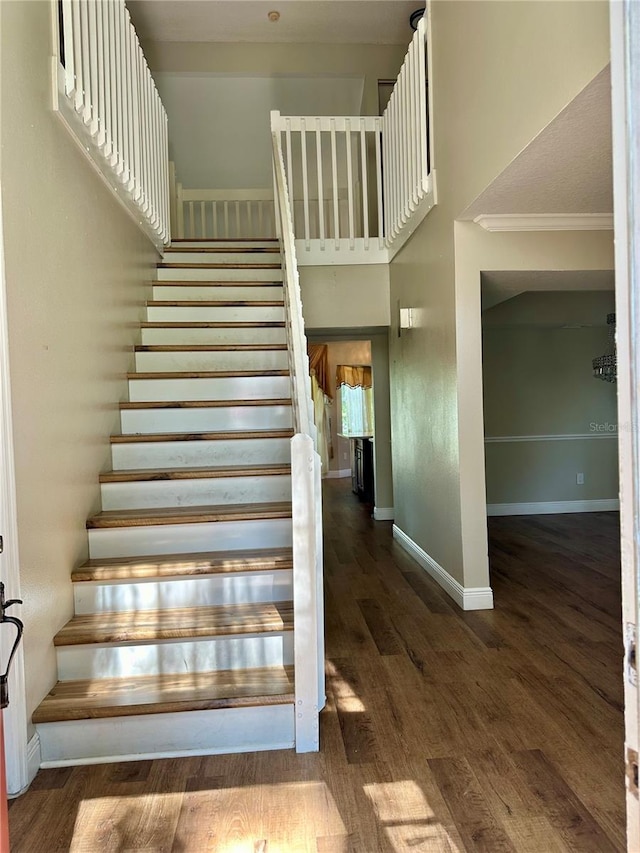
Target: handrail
302, 403
306, 497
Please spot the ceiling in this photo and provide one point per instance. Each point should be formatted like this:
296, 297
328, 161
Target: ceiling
311, 21
567, 168
564, 310
503, 285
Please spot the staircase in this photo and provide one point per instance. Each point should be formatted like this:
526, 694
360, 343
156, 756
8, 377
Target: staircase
182, 640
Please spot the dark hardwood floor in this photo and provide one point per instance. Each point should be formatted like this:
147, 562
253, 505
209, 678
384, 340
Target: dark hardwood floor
444, 731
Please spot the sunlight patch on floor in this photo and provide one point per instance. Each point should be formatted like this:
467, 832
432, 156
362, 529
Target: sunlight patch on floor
346, 698
289, 816
407, 819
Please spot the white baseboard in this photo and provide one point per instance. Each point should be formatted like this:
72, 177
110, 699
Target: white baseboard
34, 757
33, 765
383, 513
337, 475
553, 507
468, 598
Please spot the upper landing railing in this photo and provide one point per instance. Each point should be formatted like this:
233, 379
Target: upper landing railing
358, 186
105, 94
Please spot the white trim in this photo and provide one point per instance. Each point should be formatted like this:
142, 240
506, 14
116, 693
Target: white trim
81, 135
425, 205
34, 757
315, 254
554, 507
545, 221
625, 78
468, 598
579, 436
338, 474
383, 513
15, 716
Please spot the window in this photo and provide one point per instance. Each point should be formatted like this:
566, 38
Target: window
356, 400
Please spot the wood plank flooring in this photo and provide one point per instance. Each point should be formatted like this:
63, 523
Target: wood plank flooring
444, 731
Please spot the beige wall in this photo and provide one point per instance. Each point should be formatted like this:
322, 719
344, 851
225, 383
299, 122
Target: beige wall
76, 272
372, 62
538, 381
502, 69
501, 72
345, 297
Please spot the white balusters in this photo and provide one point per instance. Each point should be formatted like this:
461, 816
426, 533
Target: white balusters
107, 98
405, 151
320, 182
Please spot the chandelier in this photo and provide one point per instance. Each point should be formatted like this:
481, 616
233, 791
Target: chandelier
606, 366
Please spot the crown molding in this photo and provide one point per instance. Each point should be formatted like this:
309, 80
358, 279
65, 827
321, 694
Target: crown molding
546, 221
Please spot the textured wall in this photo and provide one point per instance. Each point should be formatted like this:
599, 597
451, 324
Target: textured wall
76, 272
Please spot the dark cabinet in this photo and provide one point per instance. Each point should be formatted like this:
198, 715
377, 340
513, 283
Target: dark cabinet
362, 468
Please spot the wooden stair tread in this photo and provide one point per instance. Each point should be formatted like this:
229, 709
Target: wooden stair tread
204, 404
215, 303
210, 347
223, 240
207, 472
220, 435
176, 624
157, 694
215, 283
223, 249
178, 265
206, 374
176, 565
118, 518
197, 324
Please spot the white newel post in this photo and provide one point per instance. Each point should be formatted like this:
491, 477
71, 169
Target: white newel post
309, 651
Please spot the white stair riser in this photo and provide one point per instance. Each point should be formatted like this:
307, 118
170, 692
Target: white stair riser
215, 314
220, 274
174, 656
148, 736
228, 257
196, 591
150, 362
215, 491
189, 538
224, 388
212, 294
188, 454
205, 419
255, 335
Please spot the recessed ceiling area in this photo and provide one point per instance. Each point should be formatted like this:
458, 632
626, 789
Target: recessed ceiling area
557, 309
503, 285
300, 21
566, 169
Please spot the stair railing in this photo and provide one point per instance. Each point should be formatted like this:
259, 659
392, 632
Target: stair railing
105, 95
308, 602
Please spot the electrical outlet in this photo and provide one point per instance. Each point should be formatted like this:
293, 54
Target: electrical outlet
580, 479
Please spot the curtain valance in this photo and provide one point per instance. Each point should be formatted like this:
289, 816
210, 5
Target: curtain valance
354, 375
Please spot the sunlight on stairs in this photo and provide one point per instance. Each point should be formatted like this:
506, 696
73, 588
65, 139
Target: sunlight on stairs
182, 639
